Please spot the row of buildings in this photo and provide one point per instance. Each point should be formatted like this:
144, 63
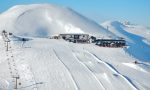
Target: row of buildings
86, 38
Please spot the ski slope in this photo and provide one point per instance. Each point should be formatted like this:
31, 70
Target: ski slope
49, 64
57, 64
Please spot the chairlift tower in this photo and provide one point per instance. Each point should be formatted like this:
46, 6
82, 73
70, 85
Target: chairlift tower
7, 45
12, 68
11, 60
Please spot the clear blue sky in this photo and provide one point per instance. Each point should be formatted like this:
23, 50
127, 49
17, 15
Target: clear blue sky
135, 11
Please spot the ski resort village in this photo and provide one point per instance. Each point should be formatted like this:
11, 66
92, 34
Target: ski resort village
51, 47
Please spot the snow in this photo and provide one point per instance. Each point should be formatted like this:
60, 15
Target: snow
67, 66
146, 41
139, 30
132, 65
48, 20
50, 64
3, 84
137, 38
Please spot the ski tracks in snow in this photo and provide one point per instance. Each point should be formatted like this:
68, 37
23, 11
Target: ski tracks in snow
73, 80
114, 71
91, 71
82, 77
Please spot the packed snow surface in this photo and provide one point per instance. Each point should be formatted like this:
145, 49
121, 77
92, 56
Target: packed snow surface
60, 65
49, 64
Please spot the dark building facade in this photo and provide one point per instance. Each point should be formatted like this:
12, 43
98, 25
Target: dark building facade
110, 43
75, 38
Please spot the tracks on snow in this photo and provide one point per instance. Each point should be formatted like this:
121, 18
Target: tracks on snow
75, 83
114, 71
100, 83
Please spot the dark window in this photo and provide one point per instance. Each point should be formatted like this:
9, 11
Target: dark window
76, 36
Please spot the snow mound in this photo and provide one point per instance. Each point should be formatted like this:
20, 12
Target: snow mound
43, 20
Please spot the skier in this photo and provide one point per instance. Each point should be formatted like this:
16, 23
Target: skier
23, 41
136, 62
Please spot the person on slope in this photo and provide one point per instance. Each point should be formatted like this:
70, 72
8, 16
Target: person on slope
23, 41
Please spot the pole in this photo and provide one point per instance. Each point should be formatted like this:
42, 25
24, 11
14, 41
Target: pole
16, 84
7, 46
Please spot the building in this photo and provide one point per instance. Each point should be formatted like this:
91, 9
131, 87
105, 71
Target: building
76, 38
92, 39
110, 43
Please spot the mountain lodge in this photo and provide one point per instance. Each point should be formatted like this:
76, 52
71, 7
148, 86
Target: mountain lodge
76, 38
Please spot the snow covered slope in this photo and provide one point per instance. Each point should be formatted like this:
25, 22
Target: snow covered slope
45, 64
138, 38
46, 19
49, 64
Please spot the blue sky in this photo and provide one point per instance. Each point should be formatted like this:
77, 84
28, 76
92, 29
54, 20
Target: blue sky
135, 11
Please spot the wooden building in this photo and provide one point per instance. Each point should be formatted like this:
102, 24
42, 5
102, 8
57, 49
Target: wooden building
75, 38
110, 43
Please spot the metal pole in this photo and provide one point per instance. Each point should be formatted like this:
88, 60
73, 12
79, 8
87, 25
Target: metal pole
16, 84
7, 46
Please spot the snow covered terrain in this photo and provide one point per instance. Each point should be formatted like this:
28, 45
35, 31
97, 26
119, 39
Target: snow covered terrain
49, 64
45, 20
138, 38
